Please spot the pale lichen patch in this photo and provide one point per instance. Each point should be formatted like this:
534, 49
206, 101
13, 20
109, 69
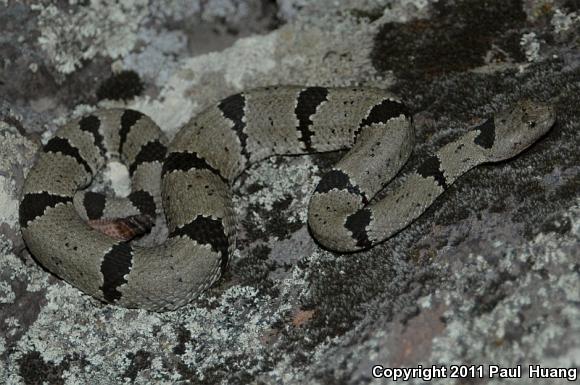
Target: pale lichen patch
562, 22
107, 28
531, 46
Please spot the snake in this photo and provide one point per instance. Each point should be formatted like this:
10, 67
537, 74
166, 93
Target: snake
189, 180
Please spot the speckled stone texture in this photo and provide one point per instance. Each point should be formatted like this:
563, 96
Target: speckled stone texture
489, 275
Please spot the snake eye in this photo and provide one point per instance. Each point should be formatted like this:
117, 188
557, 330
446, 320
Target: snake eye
531, 123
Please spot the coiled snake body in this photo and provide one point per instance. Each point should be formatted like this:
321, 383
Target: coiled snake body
198, 166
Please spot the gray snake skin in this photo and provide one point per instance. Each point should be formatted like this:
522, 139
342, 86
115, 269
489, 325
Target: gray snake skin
196, 170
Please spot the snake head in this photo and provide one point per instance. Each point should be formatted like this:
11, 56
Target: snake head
518, 128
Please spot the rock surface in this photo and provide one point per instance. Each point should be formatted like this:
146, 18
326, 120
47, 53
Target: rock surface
489, 275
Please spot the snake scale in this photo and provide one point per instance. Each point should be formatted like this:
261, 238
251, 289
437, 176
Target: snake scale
191, 178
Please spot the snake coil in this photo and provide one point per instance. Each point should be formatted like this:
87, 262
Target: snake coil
196, 170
